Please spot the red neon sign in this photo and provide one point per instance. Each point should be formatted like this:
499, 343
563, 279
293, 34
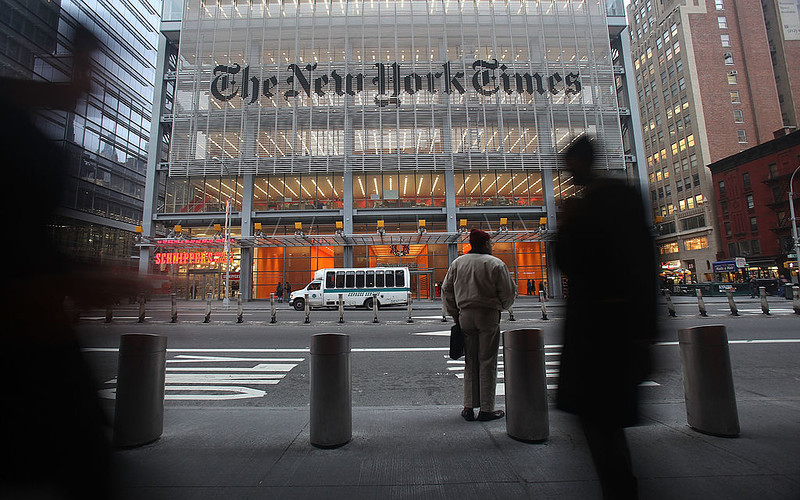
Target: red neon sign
189, 257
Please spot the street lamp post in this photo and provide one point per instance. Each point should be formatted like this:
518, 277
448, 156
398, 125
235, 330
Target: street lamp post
794, 223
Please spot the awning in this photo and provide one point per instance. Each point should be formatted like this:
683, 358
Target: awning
335, 240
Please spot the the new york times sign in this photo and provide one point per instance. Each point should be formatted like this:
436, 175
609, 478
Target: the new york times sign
488, 78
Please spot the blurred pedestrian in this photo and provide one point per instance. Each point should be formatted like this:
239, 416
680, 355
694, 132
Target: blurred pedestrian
475, 289
607, 328
753, 288
279, 292
287, 290
529, 287
55, 433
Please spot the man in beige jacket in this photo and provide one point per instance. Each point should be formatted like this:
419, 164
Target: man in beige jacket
476, 288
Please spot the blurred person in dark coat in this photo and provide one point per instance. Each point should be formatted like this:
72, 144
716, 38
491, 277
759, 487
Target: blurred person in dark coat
55, 435
609, 322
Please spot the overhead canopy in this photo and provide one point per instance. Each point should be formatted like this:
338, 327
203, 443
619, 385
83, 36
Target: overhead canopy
319, 240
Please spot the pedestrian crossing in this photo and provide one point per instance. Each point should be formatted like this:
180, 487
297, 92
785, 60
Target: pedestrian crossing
552, 362
198, 377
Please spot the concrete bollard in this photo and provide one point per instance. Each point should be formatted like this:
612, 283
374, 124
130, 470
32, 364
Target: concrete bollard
139, 405
701, 305
707, 380
239, 312
444, 312
174, 309
141, 309
273, 311
307, 309
731, 303
670, 305
764, 304
410, 319
341, 308
796, 300
207, 318
544, 307
526, 385
109, 313
331, 418
375, 308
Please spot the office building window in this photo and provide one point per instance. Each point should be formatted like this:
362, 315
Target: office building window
746, 180
732, 77
696, 243
725, 40
722, 22
738, 116
735, 97
719, 5
721, 188
728, 231
755, 247
753, 224
750, 202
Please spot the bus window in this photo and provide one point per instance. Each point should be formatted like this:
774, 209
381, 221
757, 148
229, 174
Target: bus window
399, 278
349, 280
379, 279
339, 279
359, 279
330, 279
389, 279
370, 279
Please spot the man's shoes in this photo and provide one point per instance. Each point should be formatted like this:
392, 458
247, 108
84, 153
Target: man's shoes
468, 414
485, 416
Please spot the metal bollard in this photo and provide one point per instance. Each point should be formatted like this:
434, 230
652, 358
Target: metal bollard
731, 303
239, 311
796, 301
273, 311
375, 308
341, 308
174, 309
109, 313
764, 305
670, 305
139, 405
141, 309
307, 308
526, 385
331, 420
444, 311
207, 318
707, 380
544, 308
701, 305
410, 320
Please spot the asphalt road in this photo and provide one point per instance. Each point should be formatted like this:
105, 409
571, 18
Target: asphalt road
395, 363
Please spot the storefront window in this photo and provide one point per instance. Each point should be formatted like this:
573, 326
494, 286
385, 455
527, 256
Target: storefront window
414, 189
495, 188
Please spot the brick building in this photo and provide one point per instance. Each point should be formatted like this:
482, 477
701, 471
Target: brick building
751, 189
706, 88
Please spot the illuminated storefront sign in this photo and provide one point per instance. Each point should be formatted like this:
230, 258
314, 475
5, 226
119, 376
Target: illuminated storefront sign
489, 78
189, 258
671, 265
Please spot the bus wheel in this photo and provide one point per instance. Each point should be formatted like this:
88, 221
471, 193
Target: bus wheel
299, 304
368, 303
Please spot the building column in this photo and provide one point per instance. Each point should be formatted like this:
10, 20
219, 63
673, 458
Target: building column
246, 256
153, 158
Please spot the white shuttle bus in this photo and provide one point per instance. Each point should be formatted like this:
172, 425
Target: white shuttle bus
357, 285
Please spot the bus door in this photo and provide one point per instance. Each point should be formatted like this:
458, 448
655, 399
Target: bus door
314, 291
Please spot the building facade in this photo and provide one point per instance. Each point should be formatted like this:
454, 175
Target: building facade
752, 192
312, 134
782, 19
704, 81
105, 138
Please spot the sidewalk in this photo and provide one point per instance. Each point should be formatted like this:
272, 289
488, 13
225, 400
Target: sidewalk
431, 452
